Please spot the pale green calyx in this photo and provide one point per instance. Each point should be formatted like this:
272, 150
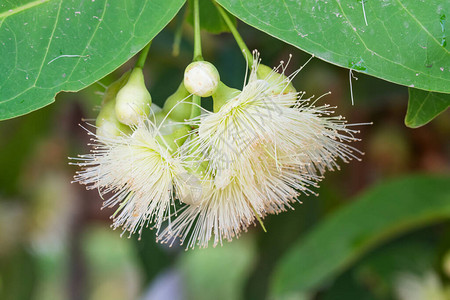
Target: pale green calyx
280, 83
178, 111
201, 78
133, 100
222, 95
172, 134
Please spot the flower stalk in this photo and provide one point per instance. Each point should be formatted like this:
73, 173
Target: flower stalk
143, 56
197, 35
245, 51
196, 100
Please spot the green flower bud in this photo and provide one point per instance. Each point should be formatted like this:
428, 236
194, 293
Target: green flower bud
277, 80
201, 78
222, 95
107, 123
181, 111
133, 100
112, 90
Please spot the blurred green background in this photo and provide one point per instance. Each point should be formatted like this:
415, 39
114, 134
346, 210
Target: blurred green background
55, 242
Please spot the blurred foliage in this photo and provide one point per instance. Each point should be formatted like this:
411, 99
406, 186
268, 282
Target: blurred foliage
218, 273
113, 271
374, 217
376, 276
154, 257
18, 137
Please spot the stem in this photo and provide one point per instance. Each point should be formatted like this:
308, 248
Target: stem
245, 51
143, 56
195, 110
197, 36
196, 100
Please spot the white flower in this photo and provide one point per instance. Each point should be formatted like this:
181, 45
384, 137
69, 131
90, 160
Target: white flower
138, 173
263, 149
236, 199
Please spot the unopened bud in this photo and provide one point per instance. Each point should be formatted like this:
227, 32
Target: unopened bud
107, 123
201, 78
133, 100
108, 126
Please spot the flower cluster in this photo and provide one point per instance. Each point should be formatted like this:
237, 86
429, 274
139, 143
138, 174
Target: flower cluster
254, 155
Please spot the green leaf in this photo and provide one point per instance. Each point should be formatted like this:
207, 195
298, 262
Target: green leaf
383, 212
424, 106
404, 41
210, 19
48, 46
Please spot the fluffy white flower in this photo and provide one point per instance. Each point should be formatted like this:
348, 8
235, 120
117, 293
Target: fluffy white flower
138, 173
235, 198
263, 149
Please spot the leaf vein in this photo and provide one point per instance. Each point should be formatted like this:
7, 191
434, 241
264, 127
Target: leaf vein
49, 43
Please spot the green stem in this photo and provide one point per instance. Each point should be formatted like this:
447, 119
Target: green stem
195, 110
197, 36
245, 51
143, 56
196, 100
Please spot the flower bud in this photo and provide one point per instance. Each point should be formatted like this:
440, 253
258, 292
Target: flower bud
201, 78
107, 124
182, 111
133, 100
279, 82
112, 90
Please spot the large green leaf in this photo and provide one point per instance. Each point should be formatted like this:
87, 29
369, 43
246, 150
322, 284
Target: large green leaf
404, 41
381, 213
48, 46
424, 106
